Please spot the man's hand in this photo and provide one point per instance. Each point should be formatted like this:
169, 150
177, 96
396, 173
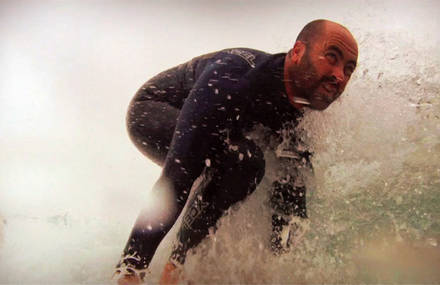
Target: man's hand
287, 232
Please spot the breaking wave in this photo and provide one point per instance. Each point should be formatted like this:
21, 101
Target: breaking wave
373, 204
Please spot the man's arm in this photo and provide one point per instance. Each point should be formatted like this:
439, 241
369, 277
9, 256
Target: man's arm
288, 200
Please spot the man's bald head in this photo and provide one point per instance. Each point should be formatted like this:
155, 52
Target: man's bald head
317, 28
320, 64
311, 31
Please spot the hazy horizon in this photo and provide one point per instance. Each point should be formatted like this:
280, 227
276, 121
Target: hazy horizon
69, 69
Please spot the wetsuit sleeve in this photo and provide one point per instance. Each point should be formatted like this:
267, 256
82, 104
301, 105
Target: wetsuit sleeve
210, 116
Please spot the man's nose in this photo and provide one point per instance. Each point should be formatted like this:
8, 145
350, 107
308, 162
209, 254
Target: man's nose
338, 74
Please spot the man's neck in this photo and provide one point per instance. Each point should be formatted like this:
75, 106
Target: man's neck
296, 102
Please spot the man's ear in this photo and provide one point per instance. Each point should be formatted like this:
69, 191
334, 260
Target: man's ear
297, 52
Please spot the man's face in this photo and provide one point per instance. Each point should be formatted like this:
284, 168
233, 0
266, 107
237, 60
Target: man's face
323, 71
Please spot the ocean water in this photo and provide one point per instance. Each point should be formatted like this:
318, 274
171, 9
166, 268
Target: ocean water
373, 204
71, 183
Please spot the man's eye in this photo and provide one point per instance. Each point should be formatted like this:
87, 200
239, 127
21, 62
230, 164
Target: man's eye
331, 57
348, 70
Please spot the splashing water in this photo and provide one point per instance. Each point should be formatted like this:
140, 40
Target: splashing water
374, 202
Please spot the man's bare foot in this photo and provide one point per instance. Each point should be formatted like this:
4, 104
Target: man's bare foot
171, 274
127, 276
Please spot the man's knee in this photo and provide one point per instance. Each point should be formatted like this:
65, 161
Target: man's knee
243, 157
241, 170
251, 160
150, 126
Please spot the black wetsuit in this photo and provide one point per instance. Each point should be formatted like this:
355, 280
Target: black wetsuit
192, 119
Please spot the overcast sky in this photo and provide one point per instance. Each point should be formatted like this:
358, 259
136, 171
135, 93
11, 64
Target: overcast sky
69, 68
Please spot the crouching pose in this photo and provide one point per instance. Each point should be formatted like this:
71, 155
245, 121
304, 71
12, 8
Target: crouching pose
192, 120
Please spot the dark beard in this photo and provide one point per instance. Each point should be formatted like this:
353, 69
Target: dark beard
307, 82
306, 78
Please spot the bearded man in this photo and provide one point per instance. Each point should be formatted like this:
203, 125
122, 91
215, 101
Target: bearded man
193, 121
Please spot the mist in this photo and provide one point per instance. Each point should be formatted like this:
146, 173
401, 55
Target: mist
72, 183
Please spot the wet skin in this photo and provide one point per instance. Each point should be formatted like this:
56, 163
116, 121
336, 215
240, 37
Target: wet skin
320, 72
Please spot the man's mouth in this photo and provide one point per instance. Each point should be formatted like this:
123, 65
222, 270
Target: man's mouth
331, 88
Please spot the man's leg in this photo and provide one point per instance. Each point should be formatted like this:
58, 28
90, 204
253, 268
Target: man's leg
232, 176
150, 125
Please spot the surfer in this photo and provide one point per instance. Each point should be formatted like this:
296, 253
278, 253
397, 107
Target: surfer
193, 121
